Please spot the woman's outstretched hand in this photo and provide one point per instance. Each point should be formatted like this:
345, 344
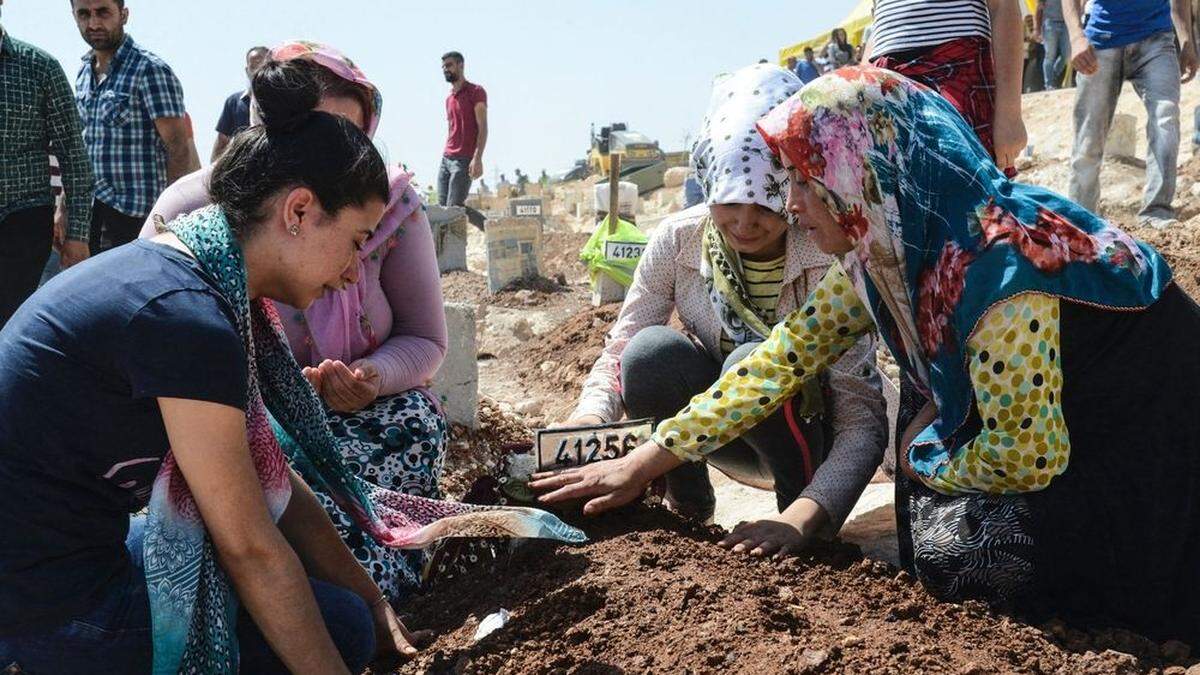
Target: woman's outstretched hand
787, 534
608, 484
767, 537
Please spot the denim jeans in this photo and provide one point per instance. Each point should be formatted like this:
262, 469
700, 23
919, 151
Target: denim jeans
1152, 65
115, 636
661, 369
454, 181
1058, 49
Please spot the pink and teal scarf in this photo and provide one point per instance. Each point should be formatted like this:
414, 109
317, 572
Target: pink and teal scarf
192, 605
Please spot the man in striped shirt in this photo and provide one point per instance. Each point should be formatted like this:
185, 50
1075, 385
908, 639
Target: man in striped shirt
970, 51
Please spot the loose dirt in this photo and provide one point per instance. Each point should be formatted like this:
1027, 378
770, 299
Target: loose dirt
561, 359
650, 593
473, 453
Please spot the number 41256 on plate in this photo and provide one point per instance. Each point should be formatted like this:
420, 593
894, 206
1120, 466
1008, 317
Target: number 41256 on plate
576, 446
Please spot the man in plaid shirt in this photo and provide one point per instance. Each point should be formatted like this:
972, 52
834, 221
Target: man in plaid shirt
37, 116
133, 122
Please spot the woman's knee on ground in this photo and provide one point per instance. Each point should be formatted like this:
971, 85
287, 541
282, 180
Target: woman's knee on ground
661, 368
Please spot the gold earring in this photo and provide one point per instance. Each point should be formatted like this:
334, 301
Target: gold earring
293, 230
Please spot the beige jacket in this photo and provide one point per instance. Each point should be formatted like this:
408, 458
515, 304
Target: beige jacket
668, 280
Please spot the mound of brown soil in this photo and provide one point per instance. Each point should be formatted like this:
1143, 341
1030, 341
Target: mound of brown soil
652, 594
570, 349
464, 286
471, 288
1180, 245
473, 453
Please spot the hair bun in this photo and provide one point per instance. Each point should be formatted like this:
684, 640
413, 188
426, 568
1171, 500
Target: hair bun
289, 125
285, 93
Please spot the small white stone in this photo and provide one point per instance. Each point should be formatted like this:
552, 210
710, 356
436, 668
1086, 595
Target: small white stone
548, 366
529, 407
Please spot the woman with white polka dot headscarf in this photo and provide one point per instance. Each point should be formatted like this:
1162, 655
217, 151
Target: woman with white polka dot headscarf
730, 268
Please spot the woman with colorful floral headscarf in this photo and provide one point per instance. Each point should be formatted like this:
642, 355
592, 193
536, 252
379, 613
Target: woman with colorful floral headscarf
369, 349
1062, 467
729, 268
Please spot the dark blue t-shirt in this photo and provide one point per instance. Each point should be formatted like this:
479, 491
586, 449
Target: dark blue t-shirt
235, 116
81, 435
1117, 23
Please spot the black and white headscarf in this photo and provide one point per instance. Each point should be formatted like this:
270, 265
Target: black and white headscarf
730, 159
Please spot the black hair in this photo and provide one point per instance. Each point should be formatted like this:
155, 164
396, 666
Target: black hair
120, 4
457, 56
324, 153
257, 48
291, 87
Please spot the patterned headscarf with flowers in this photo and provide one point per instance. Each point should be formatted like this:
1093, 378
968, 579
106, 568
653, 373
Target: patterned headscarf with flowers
940, 234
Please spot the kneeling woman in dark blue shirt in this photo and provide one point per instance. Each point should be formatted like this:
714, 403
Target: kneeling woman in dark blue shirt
136, 380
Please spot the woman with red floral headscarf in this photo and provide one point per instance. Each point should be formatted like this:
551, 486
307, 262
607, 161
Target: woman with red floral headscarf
1041, 333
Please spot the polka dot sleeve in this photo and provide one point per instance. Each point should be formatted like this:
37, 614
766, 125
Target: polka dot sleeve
1014, 366
807, 341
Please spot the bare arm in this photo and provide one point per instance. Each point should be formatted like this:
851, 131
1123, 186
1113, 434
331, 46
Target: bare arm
208, 441
867, 49
476, 168
219, 146
1008, 41
1181, 16
316, 542
1083, 55
174, 134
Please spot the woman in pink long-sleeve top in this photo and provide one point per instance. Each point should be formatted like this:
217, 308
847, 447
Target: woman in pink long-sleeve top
371, 348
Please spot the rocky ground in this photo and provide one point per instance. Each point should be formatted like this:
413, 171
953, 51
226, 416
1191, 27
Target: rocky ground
650, 594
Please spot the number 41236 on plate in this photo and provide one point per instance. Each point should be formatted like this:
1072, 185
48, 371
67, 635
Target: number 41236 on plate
575, 446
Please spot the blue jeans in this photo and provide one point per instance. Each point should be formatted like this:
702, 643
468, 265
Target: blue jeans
454, 181
1152, 65
1058, 49
115, 636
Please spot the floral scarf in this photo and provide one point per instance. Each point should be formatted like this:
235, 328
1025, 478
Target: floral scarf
192, 607
940, 235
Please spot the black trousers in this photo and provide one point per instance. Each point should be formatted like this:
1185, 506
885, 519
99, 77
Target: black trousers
25, 238
111, 228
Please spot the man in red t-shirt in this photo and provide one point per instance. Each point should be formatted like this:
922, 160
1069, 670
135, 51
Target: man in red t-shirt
466, 113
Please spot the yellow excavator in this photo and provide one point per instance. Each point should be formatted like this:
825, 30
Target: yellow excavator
642, 161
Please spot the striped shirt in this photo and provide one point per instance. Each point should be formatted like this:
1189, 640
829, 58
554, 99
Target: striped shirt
118, 112
900, 25
763, 281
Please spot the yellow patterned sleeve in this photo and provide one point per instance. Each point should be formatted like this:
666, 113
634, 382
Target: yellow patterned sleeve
1015, 371
808, 340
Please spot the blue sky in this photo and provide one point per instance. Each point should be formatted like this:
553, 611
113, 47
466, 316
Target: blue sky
548, 66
